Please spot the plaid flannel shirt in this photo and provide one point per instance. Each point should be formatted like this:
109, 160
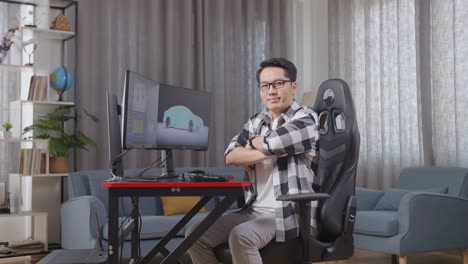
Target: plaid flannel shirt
294, 144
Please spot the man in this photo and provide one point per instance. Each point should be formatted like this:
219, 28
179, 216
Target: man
278, 149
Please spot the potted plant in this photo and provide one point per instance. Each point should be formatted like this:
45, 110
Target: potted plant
52, 127
7, 133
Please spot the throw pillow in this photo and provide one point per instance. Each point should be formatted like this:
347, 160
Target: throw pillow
390, 201
179, 204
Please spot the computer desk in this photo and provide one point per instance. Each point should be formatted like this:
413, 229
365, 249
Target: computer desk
207, 190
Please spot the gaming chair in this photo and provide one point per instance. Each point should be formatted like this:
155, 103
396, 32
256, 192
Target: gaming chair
334, 186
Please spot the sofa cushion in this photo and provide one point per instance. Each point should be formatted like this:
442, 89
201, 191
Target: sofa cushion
148, 205
376, 223
391, 198
154, 226
95, 179
179, 204
78, 184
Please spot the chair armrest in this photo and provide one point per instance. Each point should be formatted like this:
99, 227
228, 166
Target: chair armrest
79, 217
432, 221
303, 197
304, 201
367, 198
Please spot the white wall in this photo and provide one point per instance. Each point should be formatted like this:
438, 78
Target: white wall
310, 44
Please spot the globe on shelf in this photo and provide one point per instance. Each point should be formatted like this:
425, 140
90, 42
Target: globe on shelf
61, 79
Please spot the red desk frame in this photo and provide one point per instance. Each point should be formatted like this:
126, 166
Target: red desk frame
207, 190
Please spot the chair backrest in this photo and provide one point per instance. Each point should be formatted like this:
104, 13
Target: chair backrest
338, 155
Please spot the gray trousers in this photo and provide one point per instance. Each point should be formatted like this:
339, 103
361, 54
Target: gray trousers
246, 231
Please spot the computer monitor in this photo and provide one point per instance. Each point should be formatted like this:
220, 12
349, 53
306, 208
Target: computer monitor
164, 117
183, 118
114, 137
140, 112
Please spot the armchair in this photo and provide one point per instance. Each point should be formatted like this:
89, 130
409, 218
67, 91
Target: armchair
427, 211
334, 186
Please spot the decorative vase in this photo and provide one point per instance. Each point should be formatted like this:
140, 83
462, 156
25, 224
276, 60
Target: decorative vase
58, 164
6, 135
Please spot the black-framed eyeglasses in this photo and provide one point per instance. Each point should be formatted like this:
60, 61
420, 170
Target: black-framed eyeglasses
278, 84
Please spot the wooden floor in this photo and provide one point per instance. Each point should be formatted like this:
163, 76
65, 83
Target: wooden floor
360, 256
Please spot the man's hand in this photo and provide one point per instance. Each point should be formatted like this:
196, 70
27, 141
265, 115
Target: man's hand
257, 143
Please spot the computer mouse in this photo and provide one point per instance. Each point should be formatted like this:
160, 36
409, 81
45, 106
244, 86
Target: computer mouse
198, 172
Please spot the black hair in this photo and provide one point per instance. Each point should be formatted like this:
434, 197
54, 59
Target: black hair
289, 68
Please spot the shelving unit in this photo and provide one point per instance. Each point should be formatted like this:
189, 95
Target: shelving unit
41, 33
35, 223
40, 192
15, 68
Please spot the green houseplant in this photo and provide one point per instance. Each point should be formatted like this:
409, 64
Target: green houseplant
7, 133
52, 127
7, 126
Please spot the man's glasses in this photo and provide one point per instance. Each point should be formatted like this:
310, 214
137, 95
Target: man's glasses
278, 84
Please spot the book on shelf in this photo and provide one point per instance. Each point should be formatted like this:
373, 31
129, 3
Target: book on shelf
38, 88
32, 161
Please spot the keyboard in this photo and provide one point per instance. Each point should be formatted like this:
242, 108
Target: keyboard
197, 177
173, 178
185, 177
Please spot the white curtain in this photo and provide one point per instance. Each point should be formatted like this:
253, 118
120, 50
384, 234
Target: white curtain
401, 60
208, 45
9, 86
449, 81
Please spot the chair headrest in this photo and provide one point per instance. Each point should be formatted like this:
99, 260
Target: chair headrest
337, 116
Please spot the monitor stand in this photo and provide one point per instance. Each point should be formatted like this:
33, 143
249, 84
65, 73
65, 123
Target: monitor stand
167, 171
115, 178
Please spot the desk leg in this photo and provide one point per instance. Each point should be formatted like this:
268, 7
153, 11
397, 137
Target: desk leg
113, 248
201, 228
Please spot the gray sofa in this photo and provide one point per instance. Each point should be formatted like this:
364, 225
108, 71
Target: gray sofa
88, 203
426, 211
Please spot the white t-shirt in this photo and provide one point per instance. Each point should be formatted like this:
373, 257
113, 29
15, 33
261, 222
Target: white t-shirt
266, 201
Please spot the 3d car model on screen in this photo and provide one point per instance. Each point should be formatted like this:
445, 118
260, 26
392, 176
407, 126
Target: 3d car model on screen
182, 118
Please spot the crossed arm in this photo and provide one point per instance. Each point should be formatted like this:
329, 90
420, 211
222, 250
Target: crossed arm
299, 135
247, 155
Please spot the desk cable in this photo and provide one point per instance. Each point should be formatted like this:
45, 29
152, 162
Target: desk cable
140, 221
156, 163
112, 167
121, 231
